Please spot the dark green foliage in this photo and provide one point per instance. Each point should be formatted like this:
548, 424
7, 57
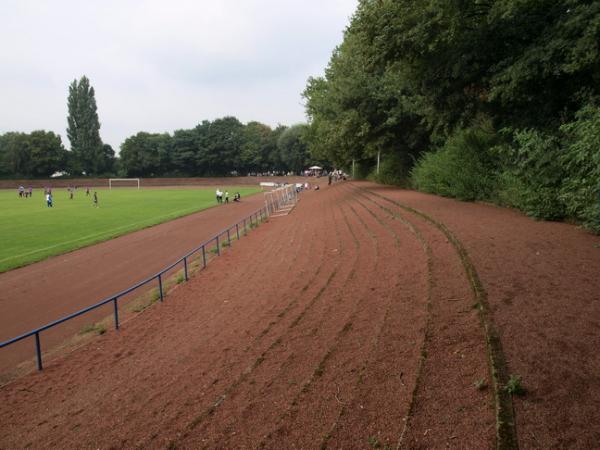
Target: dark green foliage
462, 168
394, 169
257, 146
532, 174
83, 131
411, 80
580, 190
362, 169
37, 154
293, 149
222, 147
146, 154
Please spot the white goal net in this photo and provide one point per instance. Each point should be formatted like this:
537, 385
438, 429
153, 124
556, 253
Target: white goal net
123, 182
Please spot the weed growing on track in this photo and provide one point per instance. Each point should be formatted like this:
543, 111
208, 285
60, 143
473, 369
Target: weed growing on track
97, 328
505, 429
514, 386
374, 443
154, 296
480, 384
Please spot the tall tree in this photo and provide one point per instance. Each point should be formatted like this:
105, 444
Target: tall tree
293, 149
256, 147
223, 146
47, 153
38, 154
15, 153
84, 128
146, 154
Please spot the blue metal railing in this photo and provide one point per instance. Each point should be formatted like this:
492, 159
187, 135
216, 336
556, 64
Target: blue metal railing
255, 217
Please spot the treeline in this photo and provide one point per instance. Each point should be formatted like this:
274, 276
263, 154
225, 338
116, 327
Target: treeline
222, 147
31, 155
480, 100
40, 154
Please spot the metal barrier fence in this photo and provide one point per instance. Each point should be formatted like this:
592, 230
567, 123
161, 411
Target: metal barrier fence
252, 219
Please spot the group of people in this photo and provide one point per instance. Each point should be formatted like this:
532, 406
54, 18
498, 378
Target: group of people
70, 190
224, 197
25, 193
336, 175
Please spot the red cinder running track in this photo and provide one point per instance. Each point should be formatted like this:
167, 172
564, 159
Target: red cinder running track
364, 319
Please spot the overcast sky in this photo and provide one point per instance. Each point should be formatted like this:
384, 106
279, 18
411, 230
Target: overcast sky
160, 65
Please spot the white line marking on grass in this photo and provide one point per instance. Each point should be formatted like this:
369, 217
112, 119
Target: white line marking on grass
181, 211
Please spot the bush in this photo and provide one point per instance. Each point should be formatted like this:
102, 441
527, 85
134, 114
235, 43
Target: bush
580, 189
531, 174
362, 169
394, 169
462, 168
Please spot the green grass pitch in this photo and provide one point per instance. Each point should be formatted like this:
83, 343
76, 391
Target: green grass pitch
30, 231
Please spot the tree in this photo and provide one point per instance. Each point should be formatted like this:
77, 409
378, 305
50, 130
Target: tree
256, 147
221, 148
185, 152
273, 155
293, 149
38, 154
15, 153
107, 165
84, 129
47, 154
145, 154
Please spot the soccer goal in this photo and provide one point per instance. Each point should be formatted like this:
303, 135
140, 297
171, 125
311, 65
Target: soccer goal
281, 201
123, 182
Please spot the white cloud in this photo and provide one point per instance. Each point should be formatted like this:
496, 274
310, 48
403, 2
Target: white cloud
159, 66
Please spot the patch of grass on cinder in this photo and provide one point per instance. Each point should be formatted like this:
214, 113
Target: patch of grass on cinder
97, 328
514, 386
480, 384
154, 295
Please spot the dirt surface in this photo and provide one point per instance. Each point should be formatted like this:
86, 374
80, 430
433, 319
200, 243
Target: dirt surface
361, 320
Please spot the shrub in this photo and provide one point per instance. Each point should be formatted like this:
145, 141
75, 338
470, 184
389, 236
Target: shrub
580, 189
531, 174
394, 169
462, 168
362, 169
